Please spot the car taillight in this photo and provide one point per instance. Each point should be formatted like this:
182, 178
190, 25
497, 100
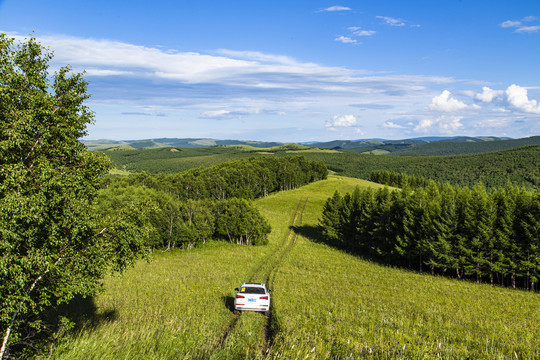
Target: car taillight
264, 298
240, 297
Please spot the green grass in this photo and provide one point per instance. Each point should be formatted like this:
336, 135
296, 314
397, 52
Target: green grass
325, 303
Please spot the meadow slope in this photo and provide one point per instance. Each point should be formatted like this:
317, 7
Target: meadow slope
326, 303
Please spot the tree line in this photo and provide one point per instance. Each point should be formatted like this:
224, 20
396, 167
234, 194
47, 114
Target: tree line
191, 207
475, 234
520, 166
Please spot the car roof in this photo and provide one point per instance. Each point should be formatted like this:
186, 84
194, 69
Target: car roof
253, 285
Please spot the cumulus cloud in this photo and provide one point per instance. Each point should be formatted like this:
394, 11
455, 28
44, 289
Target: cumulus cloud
341, 121
518, 98
391, 21
446, 103
337, 8
487, 95
442, 125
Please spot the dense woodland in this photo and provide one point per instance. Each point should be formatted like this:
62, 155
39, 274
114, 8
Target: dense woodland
192, 207
455, 146
520, 166
485, 236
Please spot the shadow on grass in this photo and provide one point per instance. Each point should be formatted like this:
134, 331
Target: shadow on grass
310, 232
228, 301
57, 323
82, 312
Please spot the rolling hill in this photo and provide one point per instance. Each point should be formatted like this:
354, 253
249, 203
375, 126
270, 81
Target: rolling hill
325, 303
518, 165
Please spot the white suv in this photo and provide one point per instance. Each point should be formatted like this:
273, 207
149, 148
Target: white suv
252, 296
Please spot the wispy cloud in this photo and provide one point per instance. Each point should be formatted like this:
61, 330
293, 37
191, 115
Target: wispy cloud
391, 125
520, 27
345, 40
337, 8
354, 32
528, 29
360, 32
392, 21
233, 89
140, 113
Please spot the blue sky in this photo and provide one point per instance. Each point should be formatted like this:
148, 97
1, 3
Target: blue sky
295, 71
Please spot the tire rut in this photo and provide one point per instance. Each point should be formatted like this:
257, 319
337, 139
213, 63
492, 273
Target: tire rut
271, 327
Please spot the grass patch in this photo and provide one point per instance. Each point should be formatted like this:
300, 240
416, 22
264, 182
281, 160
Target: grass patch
326, 304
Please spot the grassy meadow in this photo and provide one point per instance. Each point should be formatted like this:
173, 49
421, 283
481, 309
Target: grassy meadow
325, 303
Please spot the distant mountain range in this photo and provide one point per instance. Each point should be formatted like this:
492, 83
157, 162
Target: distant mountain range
166, 142
415, 146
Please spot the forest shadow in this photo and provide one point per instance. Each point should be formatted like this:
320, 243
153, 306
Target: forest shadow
310, 232
82, 312
58, 323
314, 233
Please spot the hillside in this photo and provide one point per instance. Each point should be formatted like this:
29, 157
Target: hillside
325, 303
518, 165
416, 146
463, 148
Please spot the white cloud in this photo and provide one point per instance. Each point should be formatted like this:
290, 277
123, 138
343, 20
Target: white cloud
520, 27
232, 113
341, 121
364, 32
106, 72
215, 114
346, 40
446, 103
257, 56
510, 23
517, 97
355, 31
392, 21
487, 95
443, 125
528, 29
106, 57
337, 8
391, 125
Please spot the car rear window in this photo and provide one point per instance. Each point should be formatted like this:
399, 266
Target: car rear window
252, 290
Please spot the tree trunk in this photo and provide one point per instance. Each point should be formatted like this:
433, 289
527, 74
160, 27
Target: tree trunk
14, 316
4, 342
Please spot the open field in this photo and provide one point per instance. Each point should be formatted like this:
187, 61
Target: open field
326, 303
